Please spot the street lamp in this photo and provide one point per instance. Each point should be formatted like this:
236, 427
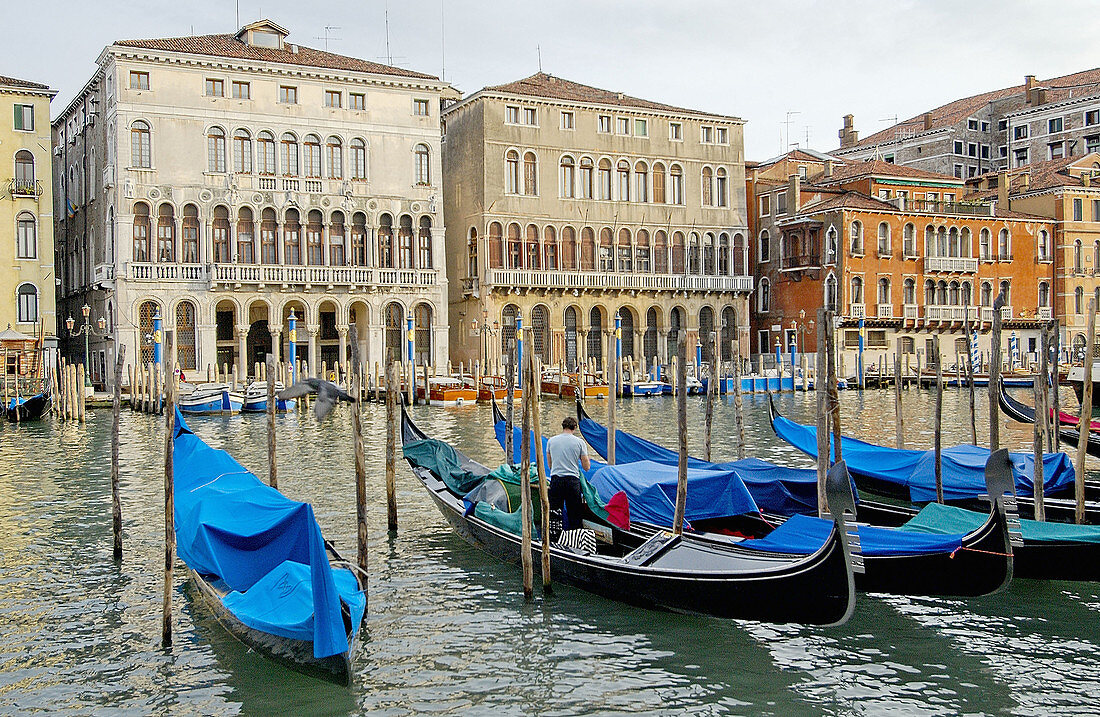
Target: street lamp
87, 331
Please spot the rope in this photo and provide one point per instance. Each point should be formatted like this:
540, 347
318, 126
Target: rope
984, 552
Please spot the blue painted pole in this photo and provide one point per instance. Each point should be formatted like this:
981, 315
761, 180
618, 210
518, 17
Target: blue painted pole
698, 355
158, 347
519, 348
292, 348
411, 358
859, 355
618, 351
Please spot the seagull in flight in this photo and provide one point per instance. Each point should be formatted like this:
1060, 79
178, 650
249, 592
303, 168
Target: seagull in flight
328, 394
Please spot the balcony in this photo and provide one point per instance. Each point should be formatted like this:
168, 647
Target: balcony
944, 313
25, 188
146, 271
934, 206
470, 285
885, 311
951, 264
987, 313
266, 183
1045, 313
858, 311
800, 262
329, 276
103, 272
589, 280
910, 311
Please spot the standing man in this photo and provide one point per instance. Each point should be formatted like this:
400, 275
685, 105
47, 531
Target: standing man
568, 454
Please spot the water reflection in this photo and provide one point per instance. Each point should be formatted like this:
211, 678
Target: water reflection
448, 629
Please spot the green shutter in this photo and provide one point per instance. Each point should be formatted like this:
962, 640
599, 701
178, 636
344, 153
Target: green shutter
19, 116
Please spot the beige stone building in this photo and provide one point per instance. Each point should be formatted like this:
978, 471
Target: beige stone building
567, 204
226, 180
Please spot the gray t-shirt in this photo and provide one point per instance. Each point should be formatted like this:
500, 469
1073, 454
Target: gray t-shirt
565, 451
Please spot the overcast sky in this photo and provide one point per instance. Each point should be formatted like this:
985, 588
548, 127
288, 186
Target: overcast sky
755, 60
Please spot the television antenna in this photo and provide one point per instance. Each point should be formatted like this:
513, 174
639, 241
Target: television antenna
787, 128
326, 36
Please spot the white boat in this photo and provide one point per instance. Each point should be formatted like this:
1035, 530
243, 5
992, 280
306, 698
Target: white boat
211, 398
255, 399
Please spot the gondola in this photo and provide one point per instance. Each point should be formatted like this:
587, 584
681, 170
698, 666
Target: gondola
968, 562
655, 569
908, 475
259, 562
31, 408
1067, 429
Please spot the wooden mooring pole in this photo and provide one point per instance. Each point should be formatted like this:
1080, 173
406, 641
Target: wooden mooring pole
1056, 338
899, 420
612, 398
995, 376
970, 379
544, 488
738, 402
116, 494
1086, 411
526, 558
681, 423
272, 470
361, 542
821, 388
1039, 440
938, 437
509, 402
169, 490
391, 448
712, 391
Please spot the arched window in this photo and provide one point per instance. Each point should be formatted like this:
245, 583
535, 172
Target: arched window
549, 248
675, 324
883, 239
929, 292
953, 293
423, 165
531, 248
315, 247
765, 246
856, 237
659, 183
676, 184
941, 241
1004, 246
729, 332
530, 174
424, 244
603, 179
385, 241
242, 152
292, 237
395, 331
941, 293
883, 298
641, 252
706, 327
721, 188
359, 239
830, 292
422, 341
623, 171
708, 187
269, 231
190, 234
334, 157
966, 293
587, 178
1078, 257
1006, 292
186, 345
966, 242
141, 145
909, 240
215, 150
540, 332
146, 311
511, 172
265, 153
1079, 300
953, 242
623, 251
909, 292
987, 294
406, 259
588, 249
311, 147
641, 182
595, 336
568, 177
709, 253
660, 252
26, 236
984, 248
764, 300
507, 327
831, 248
166, 233
1044, 294
677, 252
568, 248
358, 159
496, 246
289, 144
607, 256
141, 232
220, 231
570, 338
515, 247
336, 239
857, 290
27, 304
1044, 243
24, 173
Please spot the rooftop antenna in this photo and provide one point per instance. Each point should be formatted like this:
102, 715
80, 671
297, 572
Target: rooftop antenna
326, 38
238, 14
787, 125
538, 50
389, 57
807, 128
442, 43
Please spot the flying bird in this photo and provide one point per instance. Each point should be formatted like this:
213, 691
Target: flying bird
328, 394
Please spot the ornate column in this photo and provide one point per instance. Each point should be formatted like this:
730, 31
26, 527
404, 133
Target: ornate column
314, 364
276, 343
343, 351
242, 352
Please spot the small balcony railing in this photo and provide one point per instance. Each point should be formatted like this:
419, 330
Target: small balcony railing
910, 311
1045, 313
581, 280
858, 311
987, 313
885, 311
951, 264
25, 188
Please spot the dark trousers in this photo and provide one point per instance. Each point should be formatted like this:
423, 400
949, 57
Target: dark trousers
566, 490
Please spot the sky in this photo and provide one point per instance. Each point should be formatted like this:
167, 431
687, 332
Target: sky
791, 69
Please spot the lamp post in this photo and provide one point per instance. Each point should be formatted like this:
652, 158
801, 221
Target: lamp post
87, 331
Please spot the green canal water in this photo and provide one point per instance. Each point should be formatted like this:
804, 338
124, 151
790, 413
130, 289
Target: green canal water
448, 630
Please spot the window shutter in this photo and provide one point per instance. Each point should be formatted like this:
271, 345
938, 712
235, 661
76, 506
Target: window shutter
19, 116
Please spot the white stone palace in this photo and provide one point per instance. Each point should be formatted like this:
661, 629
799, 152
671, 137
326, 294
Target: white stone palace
226, 180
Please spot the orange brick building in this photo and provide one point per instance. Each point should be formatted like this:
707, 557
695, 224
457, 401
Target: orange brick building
895, 247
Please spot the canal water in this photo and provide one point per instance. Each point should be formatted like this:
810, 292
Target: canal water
448, 630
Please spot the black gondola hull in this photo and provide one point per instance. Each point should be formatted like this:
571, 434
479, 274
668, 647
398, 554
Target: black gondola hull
31, 409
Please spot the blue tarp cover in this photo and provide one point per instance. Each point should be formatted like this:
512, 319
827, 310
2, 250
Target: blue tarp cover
963, 466
936, 518
651, 491
21, 400
263, 546
803, 534
775, 489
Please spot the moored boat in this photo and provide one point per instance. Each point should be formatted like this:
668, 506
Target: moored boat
570, 385
211, 398
707, 575
255, 399
447, 391
1068, 430
492, 388
30, 408
260, 563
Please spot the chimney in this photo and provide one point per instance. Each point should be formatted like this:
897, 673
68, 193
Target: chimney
294, 48
928, 120
1025, 180
794, 193
1086, 179
1040, 95
1002, 189
828, 168
1029, 85
848, 135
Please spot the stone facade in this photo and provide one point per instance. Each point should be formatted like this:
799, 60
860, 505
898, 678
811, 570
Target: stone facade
26, 211
569, 205
226, 180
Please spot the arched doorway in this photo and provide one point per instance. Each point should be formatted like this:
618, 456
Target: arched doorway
626, 323
571, 338
258, 342
393, 320
729, 333
540, 332
706, 326
422, 321
649, 343
595, 336
186, 353
146, 312
675, 325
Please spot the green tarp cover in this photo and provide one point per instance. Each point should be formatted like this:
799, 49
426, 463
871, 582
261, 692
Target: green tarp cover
442, 459
510, 477
941, 519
